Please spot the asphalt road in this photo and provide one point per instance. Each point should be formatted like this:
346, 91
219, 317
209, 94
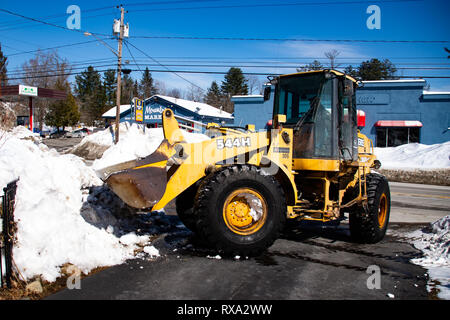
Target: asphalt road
308, 262
61, 144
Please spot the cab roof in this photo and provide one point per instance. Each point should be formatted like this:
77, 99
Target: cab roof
338, 73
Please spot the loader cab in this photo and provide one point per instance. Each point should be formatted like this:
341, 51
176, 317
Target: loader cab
320, 108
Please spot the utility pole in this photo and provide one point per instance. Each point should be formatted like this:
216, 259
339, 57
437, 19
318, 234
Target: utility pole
119, 74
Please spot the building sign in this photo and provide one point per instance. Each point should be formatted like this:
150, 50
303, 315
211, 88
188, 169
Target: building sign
153, 112
374, 98
138, 105
28, 91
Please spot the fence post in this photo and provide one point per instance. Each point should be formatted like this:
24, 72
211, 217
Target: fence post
1, 244
8, 228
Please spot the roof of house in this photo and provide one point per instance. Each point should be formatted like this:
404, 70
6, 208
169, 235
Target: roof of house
111, 113
200, 108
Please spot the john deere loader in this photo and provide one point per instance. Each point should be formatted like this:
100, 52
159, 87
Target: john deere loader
238, 189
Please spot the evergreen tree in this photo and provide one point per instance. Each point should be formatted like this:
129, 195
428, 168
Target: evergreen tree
128, 90
375, 69
63, 113
315, 65
3, 70
89, 89
214, 96
351, 71
110, 85
146, 85
233, 84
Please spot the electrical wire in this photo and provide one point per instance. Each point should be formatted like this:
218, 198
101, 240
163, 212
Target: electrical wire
174, 72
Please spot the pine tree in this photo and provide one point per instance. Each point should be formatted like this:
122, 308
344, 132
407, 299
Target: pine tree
128, 90
3, 70
214, 96
89, 89
375, 69
110, 85
315, 65
63, 113
146, 85
233, 84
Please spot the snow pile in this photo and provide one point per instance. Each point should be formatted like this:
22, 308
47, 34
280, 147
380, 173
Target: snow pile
21, 132
136, 141
415, 156
434, 242
51, 231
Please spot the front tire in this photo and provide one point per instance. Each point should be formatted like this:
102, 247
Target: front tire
240, 211
371, 226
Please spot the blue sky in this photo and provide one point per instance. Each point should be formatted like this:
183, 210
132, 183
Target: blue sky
319, 20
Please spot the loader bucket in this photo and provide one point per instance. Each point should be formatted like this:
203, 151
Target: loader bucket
141, 183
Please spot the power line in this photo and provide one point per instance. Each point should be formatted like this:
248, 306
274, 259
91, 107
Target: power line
210, 72
286, 39
276, 5
45, 22
174, 72
19, 21
57, 47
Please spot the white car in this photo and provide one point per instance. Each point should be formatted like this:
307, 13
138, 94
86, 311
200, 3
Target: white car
79, 133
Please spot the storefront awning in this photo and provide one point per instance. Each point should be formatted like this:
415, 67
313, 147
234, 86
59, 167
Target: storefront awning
398, 123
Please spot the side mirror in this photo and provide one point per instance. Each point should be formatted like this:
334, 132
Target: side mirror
267, 93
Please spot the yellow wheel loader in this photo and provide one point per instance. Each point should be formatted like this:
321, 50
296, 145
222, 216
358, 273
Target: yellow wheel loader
238, 189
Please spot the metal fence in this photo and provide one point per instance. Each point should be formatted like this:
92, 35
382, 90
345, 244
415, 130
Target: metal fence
7, 233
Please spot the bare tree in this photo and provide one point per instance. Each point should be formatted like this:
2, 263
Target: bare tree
332, 55
194, 93
161, 87
175, 93
46, 70
254, 84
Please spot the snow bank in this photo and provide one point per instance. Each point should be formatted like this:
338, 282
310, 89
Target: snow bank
21, 132
415, 156
135, 141
434, 242
51, 231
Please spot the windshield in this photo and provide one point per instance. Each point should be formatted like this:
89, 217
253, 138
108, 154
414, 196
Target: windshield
307, 102
297, 95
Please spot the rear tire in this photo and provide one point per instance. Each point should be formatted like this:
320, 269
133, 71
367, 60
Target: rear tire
371, 226
224, 205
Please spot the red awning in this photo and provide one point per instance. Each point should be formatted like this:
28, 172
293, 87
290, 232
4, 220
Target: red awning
398, 123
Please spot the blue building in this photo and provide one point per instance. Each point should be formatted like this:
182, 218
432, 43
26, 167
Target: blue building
191, 114
397, 112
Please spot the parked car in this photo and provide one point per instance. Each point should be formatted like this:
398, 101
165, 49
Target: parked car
79, 133
58, 134
45, 133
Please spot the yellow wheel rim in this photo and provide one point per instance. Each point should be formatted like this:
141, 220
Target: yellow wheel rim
244, 211
382, 210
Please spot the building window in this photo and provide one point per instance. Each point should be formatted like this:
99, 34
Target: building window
396, 136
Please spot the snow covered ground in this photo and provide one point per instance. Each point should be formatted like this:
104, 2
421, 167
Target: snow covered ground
64, 214
434, 242
415, 156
